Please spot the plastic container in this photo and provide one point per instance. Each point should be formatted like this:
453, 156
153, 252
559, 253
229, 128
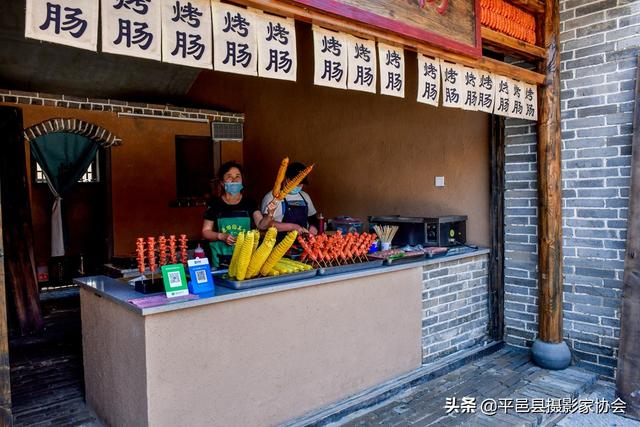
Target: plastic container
347, 224
199, 252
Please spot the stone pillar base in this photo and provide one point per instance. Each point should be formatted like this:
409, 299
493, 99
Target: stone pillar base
553, 356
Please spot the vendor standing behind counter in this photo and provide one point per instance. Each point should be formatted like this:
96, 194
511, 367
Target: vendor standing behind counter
296, 211
230, 213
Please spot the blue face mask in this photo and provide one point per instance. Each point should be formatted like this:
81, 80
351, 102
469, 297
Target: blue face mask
233, 188
297, 189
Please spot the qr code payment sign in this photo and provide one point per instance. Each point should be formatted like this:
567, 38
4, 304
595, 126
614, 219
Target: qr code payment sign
175, 281
201, 276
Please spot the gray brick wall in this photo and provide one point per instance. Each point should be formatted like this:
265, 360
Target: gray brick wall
600, 41
455, 312
114, 106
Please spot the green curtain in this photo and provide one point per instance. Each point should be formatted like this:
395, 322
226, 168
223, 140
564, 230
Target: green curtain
64, 158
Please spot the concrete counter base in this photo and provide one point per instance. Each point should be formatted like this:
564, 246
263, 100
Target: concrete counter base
255, 361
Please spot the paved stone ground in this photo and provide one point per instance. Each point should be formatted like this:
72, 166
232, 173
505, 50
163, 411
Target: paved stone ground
47, 386
508, 373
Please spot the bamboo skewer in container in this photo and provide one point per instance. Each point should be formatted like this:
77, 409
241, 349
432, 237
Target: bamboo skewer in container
386, 233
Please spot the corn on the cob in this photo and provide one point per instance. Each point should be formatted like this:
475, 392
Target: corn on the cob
245, 256
278, 252
273, 273
294, 182
256, 241
280, 177
299, 265
236, 254
272, 233
285, 268
259, 257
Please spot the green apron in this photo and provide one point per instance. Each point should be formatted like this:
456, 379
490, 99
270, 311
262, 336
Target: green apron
233, 226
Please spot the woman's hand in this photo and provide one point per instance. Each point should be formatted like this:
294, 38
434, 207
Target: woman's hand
300, 229
313, 230
271, 208
227, 238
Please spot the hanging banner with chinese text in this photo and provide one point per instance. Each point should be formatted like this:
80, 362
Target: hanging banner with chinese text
277, 57
428, 80
469, 85
362, 64
452, 75
516, 103
530, 102
186, 32
132, 28
69, 22
486, 91
330, 58
391, 70
503, 96
235, 32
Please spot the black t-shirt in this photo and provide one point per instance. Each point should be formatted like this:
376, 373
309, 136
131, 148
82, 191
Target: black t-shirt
219, 209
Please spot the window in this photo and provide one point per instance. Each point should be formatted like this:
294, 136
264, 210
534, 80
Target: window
91, 175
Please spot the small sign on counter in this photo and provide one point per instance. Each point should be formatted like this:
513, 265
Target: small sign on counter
175, 282
201, 279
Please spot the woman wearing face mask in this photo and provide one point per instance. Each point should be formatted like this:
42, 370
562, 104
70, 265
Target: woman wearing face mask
231, 213
296, 211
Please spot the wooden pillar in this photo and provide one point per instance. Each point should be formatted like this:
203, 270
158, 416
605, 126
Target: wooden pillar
496, 260
628, 375
16, 218
550, 350
5, 377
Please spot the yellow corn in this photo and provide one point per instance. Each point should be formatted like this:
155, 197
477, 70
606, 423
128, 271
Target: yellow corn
301, 266
294, 182
259, 257
236, 254
280, 177
256, 241
273, 273
284, 269
278, 252
272, 233
245, 256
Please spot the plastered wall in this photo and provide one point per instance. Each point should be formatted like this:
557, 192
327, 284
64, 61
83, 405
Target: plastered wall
374, 154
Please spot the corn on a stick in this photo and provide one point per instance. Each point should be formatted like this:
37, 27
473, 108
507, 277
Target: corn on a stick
294, 183
245, 256
280, 177
236, 254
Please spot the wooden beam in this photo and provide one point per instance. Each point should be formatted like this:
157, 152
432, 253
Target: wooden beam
628, 376
534, 6
550, 185
340, 24
503, 43
496, 221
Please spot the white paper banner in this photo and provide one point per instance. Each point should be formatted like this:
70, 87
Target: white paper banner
452, 76
428, 80
277, 57
70, 22
470, 83
486, 91
516, 104
330, 58
502, 106
132, 27
235, 33
362, 65
186, 33
391, 70
530, 102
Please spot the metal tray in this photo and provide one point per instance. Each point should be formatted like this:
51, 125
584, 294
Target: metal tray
404, 259
349, 267
262, 281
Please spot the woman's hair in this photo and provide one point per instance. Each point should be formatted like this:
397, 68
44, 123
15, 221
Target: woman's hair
226, 167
